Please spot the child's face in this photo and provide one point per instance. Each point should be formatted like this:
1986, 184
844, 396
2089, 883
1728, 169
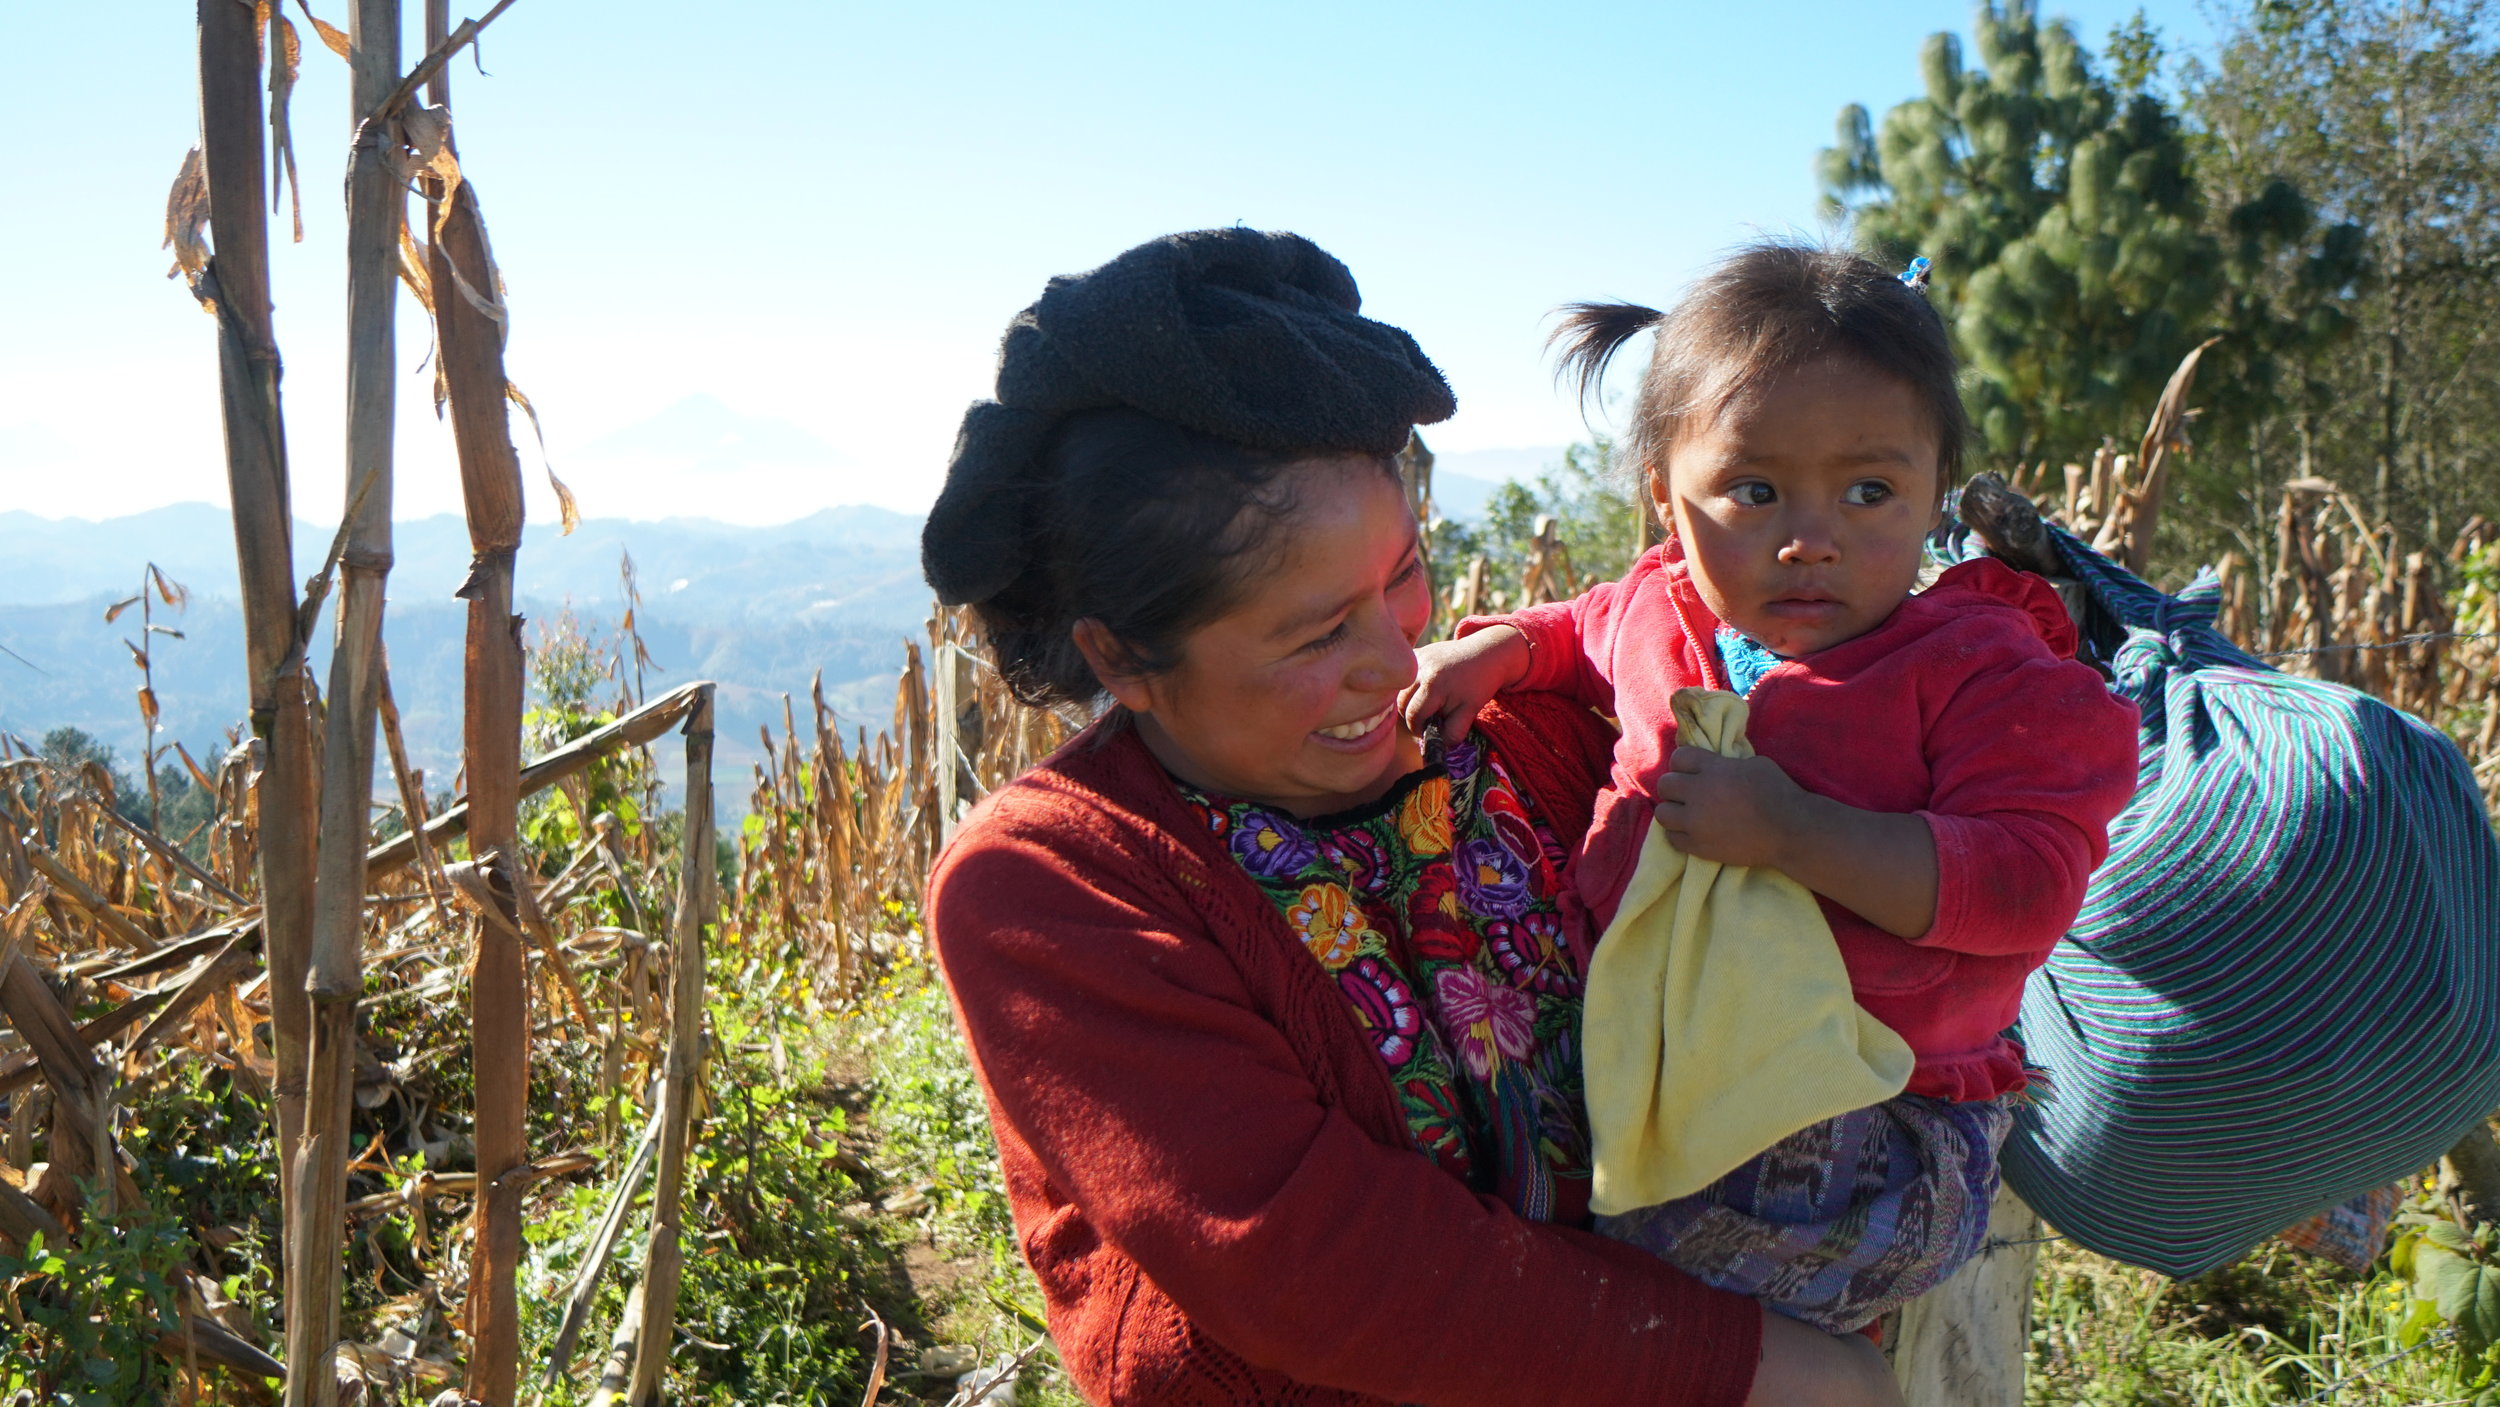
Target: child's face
1803, 505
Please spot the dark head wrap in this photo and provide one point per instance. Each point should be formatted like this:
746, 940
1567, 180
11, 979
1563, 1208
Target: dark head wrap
1246, 336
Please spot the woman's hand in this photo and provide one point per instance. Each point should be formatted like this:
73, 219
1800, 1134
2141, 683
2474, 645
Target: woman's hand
1804, 1367
1455, 679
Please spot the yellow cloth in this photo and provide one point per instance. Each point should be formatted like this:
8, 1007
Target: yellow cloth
1719, 1018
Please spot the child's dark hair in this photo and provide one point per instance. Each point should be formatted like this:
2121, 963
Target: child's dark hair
1767, 309
1148, 527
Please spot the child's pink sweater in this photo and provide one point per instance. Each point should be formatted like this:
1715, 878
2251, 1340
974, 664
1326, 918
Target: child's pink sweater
1966, 707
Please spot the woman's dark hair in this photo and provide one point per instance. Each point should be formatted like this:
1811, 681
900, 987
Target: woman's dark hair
1765, 310
1145, 526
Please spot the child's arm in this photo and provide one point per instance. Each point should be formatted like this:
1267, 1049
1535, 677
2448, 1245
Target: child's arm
2031, 765
1879, 865
1556, 647
1455, 679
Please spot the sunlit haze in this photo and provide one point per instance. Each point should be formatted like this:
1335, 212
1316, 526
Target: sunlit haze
759, 255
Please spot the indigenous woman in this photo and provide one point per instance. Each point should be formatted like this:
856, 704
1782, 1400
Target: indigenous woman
1273, 1001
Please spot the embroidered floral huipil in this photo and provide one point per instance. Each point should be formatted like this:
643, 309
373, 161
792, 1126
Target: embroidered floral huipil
1434, 910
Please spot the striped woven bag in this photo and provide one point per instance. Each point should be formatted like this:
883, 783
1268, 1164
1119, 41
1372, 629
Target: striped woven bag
2284, 988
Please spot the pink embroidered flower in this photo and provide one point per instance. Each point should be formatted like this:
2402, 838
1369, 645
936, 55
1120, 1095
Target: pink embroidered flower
1359, 855
1486, 1022
1530, 955
1386, 1007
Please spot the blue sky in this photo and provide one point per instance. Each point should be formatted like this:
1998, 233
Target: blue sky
799, 227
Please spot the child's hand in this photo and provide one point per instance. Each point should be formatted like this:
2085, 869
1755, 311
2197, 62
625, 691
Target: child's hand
1732, 810
1456, 678
1880, 865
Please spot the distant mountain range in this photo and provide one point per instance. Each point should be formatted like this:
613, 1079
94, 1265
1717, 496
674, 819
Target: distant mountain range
760, 609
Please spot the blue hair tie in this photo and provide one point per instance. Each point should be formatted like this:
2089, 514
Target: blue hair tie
1916, 274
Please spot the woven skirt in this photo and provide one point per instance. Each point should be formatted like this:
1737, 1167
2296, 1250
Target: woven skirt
1845, 1221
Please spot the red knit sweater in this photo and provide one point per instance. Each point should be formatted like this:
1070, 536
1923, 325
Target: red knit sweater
1211, 1175
1966, 707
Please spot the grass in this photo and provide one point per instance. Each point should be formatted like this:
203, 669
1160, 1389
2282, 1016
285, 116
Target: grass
2275, 1329
843, 1167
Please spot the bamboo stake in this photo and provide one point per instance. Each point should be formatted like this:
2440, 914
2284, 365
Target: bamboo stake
236, 281
696, 906
376, 207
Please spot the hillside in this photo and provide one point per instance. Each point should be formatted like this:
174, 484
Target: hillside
760, 609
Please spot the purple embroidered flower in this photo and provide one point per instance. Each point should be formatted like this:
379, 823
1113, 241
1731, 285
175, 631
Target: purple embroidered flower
1385, 1005
1492, 882
1270, 846
1461, 758
1358, 854
1529, 954
1486, 1022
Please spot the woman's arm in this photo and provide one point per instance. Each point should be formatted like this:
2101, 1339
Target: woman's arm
1123, 1047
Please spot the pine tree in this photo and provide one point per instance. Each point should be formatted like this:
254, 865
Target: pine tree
2068, 234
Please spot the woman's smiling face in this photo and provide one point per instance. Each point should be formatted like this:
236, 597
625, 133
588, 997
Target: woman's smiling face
1803, 504
1290, 697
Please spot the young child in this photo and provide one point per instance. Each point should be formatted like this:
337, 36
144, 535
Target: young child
1935, 767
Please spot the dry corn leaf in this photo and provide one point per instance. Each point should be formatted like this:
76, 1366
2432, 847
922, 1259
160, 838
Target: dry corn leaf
286, 57
113, 612
331, 34
424, 148
186, 216
198, 777
173, 593
412, 268
147, 707
566, 508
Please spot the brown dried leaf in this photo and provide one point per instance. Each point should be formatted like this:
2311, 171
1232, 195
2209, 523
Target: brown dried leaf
186, 216
147, 706
198, 777
138, 657
424, 148
412, 268
113, 612
172, 593
566, 508
285, 59
330, 34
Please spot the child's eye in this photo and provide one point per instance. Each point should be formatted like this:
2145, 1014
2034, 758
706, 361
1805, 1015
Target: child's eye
1754, 494
1328, 641
1866, 493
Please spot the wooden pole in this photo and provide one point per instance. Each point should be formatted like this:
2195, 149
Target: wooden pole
376, 205
1963, 1343
697, 903
237, 282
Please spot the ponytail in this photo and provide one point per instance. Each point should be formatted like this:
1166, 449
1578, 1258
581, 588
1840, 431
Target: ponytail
1589, 335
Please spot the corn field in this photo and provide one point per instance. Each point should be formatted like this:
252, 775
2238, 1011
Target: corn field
409, 1016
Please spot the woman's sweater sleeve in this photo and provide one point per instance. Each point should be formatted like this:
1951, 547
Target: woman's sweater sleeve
2030, 765
1122, 1046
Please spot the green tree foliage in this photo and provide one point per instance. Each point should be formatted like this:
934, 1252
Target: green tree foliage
2069, 240
2385, 116
1589, 496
